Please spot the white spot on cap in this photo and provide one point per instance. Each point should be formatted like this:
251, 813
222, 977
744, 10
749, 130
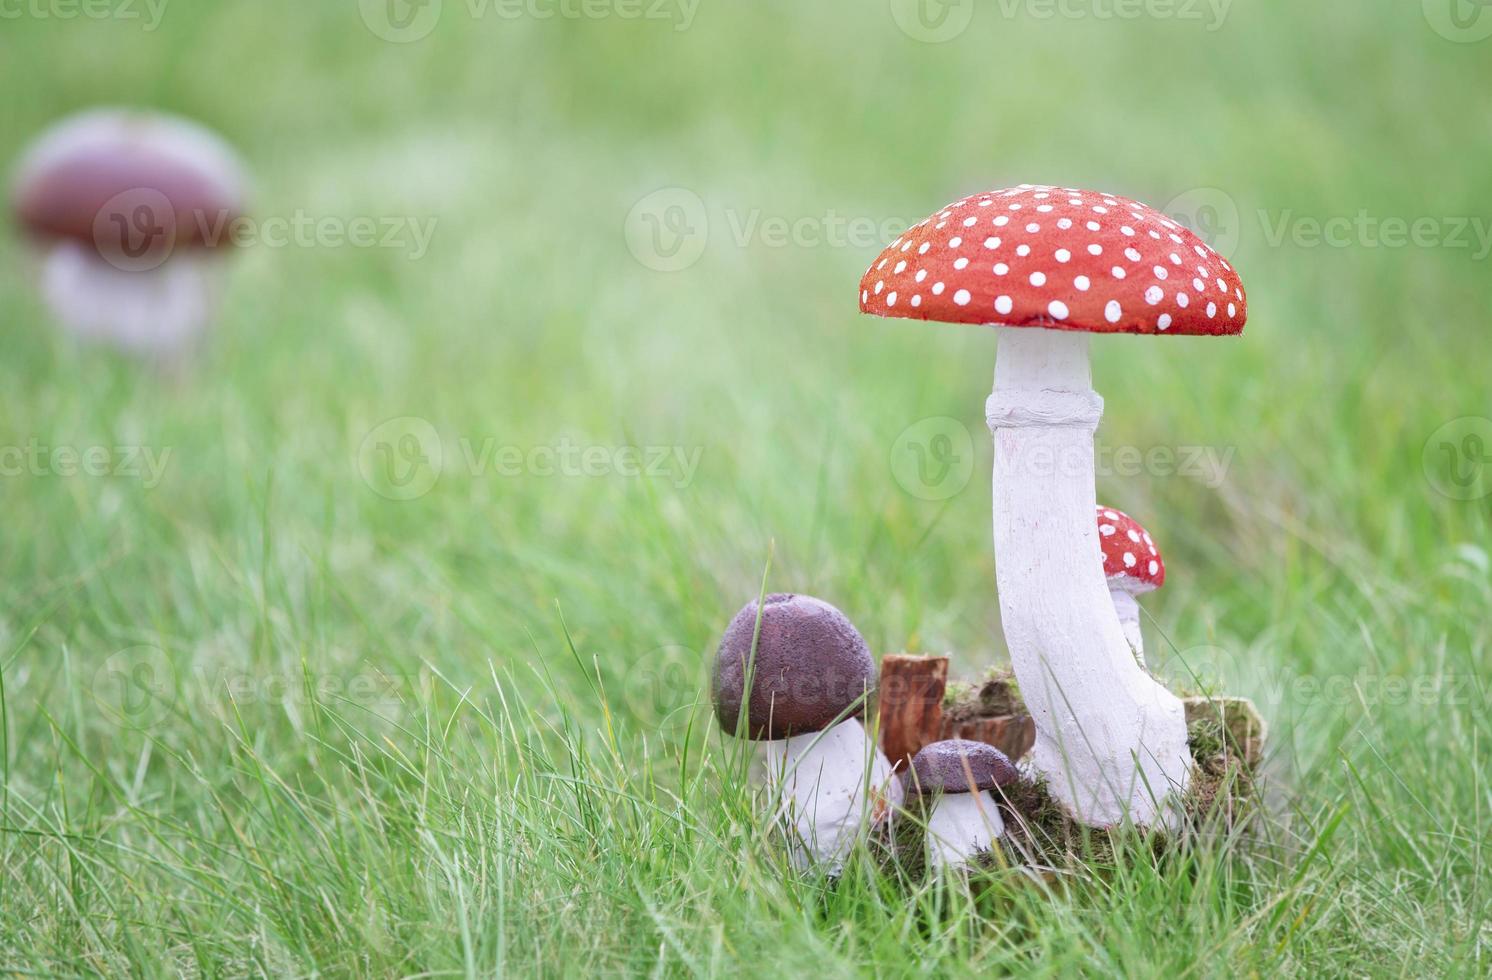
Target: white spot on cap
891, 298
1038, 278
1063, 255
1057, 309
961, 264
937, 289
961, 297
1106, 529
1154, 295
992, 243
1129, 560
1112, 311
1003, 304
1001, 268
1081, 283
1164, 323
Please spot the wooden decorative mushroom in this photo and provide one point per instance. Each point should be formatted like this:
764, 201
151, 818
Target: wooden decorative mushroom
795, 674
1047, 267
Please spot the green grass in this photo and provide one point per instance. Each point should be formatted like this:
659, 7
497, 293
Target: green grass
465, 732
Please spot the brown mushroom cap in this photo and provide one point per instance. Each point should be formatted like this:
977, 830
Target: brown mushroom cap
812, 668
92, 174
940, 767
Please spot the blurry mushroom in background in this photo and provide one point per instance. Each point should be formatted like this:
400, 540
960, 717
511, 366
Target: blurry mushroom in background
809, 680
130, 211
1133, 566
965, 820
1047, 266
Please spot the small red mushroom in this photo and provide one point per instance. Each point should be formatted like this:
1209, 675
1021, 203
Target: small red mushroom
1133, 566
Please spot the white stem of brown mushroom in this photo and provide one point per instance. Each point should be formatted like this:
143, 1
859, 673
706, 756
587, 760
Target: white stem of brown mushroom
159, 312
835, 785
1110, 741
962, 826
1127, 608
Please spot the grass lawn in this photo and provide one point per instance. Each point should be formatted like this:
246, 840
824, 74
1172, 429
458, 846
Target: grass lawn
376, 643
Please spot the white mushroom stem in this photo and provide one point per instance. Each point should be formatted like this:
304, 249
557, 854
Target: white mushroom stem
835, 785
1128, 611
157, 312
962, 826
1110, 741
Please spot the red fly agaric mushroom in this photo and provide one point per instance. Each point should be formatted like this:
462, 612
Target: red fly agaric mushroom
800, 684
127, 208
1047, 267
958, 775
1133, 566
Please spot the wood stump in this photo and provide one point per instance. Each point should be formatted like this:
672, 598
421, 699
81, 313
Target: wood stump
911, 704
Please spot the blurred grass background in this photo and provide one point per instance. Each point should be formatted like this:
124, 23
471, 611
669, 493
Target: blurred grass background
461, 732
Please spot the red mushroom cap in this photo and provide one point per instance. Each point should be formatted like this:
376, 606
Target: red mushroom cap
1056, 257
1131, 561
89, 177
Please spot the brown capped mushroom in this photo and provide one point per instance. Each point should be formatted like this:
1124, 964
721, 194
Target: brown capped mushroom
801, 689
959, 775
129, 212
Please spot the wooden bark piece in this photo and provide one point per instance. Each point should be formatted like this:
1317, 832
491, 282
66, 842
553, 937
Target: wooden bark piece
1012, 734
911, 699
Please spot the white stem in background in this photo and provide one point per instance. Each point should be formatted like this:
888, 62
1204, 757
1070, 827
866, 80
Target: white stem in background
1110, 741
835, 785
962, 826
159, 312
1128, 611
